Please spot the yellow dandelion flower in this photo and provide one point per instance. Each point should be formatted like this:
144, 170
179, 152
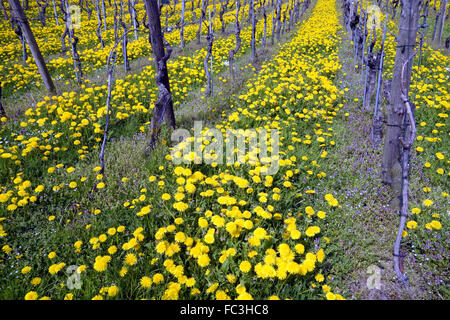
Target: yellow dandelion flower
245, 266
146, 282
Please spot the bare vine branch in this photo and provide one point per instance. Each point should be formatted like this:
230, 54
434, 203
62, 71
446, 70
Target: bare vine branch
110, 69
410, 134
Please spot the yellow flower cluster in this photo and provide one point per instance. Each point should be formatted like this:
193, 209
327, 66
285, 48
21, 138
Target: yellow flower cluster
93, 57
206, 231
71, 122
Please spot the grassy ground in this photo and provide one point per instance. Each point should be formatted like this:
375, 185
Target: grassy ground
366, 230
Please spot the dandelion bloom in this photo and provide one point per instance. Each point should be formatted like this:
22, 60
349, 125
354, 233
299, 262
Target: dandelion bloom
130, 259
190, 282
203, 260
259, 233
440, 156
300, 248
320, 255
68, 296
245, 296
166, 196
25, 270
158, 278
113, 290
146, 282
330, 296
245, 266
101, 263
321, 215
436, 225
319, 277
112, 250
32, 295
411, 224
180, 206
